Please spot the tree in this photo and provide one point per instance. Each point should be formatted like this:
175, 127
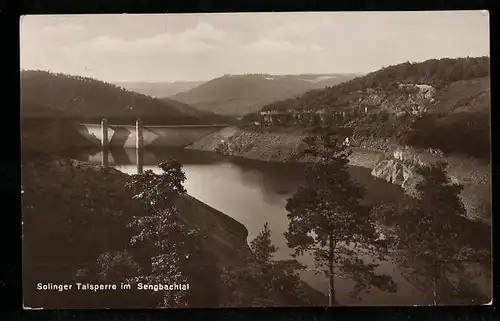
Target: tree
162, 237
113, 267
263, 281
432, 239
328, 220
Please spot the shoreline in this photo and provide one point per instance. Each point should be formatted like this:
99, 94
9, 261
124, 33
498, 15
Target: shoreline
285, 147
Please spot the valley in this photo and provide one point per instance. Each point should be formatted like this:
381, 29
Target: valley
240, 176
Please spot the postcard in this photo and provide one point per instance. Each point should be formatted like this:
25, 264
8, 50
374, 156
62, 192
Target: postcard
256, 160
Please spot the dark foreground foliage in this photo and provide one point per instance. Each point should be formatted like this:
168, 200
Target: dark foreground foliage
89, 224
278, 283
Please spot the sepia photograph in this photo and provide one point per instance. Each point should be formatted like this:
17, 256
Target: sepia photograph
305, 159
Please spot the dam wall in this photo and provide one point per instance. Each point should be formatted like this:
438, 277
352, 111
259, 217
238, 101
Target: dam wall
125, 136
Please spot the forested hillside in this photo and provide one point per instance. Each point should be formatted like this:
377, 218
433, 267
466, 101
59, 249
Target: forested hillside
437, 73
438, 103
238, 95
87, 99
47, 130
159, 89
195, 112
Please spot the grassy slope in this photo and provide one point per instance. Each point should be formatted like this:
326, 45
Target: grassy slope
470, 96
239, 95
459, 122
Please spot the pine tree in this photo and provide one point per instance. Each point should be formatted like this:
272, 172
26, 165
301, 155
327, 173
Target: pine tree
327, 219
431, 237
162, 237
263, 281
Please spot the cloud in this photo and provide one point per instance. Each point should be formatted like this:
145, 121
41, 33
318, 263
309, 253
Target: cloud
184, 46
297, 36
301, 28
201, 38
60, 30
204, 31
270, 46
52, 34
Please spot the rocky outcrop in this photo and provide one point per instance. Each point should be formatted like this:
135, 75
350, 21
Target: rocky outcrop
472, 174
398, 172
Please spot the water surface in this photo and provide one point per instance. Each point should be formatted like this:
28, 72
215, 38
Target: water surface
254, 193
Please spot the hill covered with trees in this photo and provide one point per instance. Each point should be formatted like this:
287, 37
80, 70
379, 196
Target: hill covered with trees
438, 103
195, 112
47, 130
87, 99
159, 89
437, 73
238, 95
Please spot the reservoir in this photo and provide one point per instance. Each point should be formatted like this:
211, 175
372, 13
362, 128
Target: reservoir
253, 193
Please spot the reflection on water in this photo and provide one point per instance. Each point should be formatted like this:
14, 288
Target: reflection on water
255, 192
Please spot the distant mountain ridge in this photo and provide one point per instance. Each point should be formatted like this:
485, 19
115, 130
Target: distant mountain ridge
159, 89
237, 95
87, 99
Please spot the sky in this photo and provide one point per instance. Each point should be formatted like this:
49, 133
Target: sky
199, 47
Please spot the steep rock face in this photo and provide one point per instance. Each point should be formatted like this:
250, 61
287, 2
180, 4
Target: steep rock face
399, 172
392, 171
472, 174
